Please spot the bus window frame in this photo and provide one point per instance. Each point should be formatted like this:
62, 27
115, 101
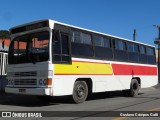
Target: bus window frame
73, 44
54, 35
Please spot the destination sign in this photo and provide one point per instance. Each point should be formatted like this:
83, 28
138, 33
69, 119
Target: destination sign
30, 27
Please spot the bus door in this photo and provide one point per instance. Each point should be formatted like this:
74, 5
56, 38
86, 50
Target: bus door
60, 47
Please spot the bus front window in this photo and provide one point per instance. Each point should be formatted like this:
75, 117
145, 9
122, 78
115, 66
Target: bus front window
30, 48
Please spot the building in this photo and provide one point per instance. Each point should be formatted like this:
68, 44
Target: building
3, 61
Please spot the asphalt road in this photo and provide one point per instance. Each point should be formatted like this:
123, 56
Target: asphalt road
101, 106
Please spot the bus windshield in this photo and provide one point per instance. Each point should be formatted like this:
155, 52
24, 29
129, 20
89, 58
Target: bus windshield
30, 48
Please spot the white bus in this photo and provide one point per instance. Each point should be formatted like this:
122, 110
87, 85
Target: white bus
49, 58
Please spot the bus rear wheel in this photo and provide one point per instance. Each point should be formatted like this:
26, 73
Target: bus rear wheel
134, 89
80, 92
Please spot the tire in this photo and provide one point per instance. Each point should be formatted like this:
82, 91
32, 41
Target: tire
80, 92
134, 88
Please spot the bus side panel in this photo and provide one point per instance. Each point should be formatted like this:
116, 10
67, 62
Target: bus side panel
146, 73
118, 82
63, 85
122, 82
67, 74
105, 76
148, 81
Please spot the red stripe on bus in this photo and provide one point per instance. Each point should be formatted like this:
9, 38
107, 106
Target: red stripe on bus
121, 69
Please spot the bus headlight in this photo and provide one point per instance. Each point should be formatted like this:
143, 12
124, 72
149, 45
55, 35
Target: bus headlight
10, 82
40, 82
45, 82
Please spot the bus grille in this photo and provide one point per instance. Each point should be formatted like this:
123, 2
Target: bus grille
23, 74
25, 82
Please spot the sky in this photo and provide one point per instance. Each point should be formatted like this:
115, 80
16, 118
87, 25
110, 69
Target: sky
115, 17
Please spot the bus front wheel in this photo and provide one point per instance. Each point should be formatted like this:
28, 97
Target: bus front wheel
80, 91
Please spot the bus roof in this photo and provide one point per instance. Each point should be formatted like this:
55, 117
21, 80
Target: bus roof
52, 22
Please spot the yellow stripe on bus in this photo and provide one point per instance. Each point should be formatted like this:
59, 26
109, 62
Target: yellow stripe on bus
83, 68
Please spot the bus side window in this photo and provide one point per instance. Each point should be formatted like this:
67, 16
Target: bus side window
151, 55
143, 56
102, 47
136, 48
81, 44
119, 50
133, 52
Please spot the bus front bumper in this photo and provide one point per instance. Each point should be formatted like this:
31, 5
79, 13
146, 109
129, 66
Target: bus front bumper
30, 91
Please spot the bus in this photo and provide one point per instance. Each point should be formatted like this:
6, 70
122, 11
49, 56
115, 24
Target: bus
47, 58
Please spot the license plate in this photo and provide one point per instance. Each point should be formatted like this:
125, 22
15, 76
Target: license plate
22, 90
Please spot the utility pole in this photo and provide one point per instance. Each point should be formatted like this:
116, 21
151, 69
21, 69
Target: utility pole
134, 35
157, 41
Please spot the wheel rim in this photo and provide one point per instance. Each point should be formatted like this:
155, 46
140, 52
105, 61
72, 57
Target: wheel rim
135, 86
80, 90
